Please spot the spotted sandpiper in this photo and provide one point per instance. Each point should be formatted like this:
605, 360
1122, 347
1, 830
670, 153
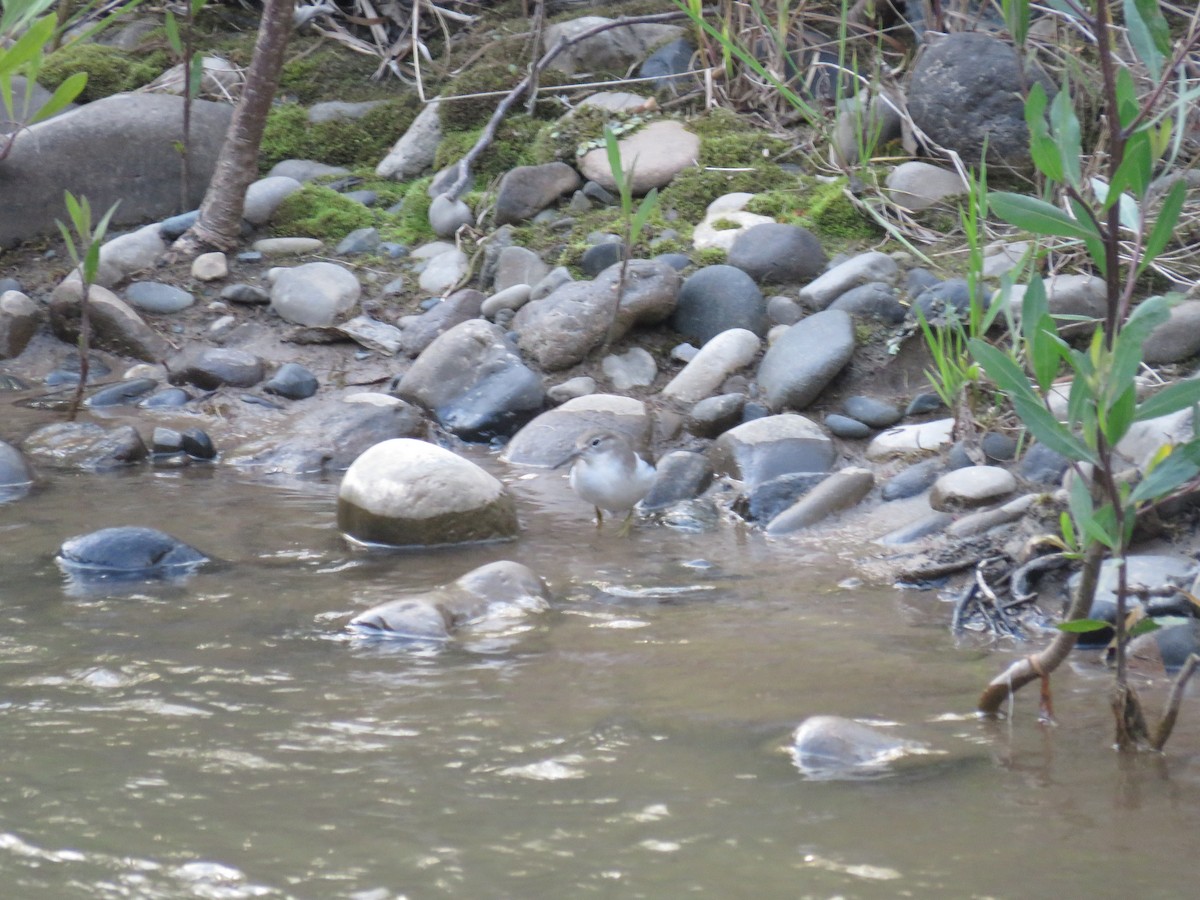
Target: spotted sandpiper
608, 474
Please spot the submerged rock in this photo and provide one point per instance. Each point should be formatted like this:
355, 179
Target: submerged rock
831, 747
129, 552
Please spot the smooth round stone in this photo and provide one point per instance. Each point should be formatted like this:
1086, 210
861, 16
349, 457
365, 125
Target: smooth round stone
287, 246
1041, 465
845, 427
707, 370
761, 449
405, 492
197, 444
677, 261
998, 447
809, 355
292, 381
447, 215
599, 257
512, 298
841, 490
168, 398
923, 404
166, 442
913, 480
767, 500
717, 298
713, 416
210, 266
121, 393
175, 226
361, 240
971, 487
209, 368
681, 475
85, 445
16, 477
919, 440
833, 747
872, 411
875, 300
264, 196
634, 368
850, 273
156, 297
783, 310
128, 550
579, 386
315, 293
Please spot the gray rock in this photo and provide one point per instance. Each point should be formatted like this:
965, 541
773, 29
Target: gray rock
264, 196
841, 490
580, 386
633, 368
115, 327
1176, 339
830, 747
876, 300
1152, 571
16, 476
19, 319
157, 297
329, 439
716, 299
872, 411
913, 480
209, 368
550, 282
863, 123
245, 293
174, 227
856, 271
919, 185
613, 50
551, 436
713, 416
85, 445
418, 332
38, 96
921, 439
1041, 465
765, 501
765, 448
122, 393
527, 190
798, 366
405, 492
286, 246
650, 157
88, 153
777, 253
667, 64
783, 311
512, 298
971, 487
210, 266
998, 447
473, 383
951, 294
315, 293
501, 590
293, 381
127, 551
127, 253
416, 149
518, 265
934, 523
846, 428
599, 257
965, 92
340, 110
680, 475
360, 240
447, 215
305, 170
444, 271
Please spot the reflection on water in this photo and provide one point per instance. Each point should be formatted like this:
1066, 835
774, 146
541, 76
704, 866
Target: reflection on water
221, 737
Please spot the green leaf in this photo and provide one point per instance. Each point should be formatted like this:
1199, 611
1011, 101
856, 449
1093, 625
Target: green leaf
1136, 169
1141, 35
30, 46
1067, 529
1066, 134
196, 76
614, 163
1170, 399
1127, 101
172, 29
644, 211
1083, 626
1180, 467
1143, 626
1119, 415
1042, 147
1039, 216
1164, 225
1092, 240
65, 93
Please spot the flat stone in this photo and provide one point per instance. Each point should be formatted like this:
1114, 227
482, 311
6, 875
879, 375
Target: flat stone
810, 354
918, 440
765, 448
971, 487
841, 490
719, 358
858, 270
655, 154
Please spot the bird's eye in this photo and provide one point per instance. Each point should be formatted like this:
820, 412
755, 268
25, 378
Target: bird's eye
595, 442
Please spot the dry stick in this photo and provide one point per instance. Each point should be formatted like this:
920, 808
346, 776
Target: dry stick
1042, 664
456, 189
1167, 723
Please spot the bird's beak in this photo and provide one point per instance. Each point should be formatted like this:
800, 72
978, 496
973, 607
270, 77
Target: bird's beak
569, 458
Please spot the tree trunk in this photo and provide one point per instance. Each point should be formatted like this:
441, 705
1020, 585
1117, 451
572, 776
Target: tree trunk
220, 222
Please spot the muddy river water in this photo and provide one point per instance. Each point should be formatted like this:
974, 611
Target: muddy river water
221, 738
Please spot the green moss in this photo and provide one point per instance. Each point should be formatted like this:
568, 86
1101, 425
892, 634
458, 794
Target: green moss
690, 192
411, 225
109, 70
314, 73
508, 149
725, 140
820, 206
725, 225
345, 142
488, 78
320, 212
709, 256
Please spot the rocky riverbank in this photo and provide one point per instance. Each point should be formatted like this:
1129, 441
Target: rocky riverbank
755, 345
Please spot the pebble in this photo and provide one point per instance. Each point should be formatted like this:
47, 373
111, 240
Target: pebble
156, 297
210, 266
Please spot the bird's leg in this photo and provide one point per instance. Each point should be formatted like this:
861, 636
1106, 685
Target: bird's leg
623, 531
599, 518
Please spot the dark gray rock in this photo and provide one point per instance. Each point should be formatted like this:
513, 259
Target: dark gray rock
1041, 465
998, 447
913, 480
88, 153
115, 326
329, 439
245, 293
923, 404
667, 63
293, 381
716, 299
680, 475
167, 398
872, 411
952, 294
209, 368
127, 551
474, 383
805, 359
527, 190
765, 501
85, 445
762, 449
1149, 570
783, 311
841, 490
846, 427
965, 92
918, 280
19, 319
418, 332
546, 440
934, 523
713, 416
778, 253
122, 393
16, 476
157, 297
361, 240
876, 300
197, 444
599, 257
